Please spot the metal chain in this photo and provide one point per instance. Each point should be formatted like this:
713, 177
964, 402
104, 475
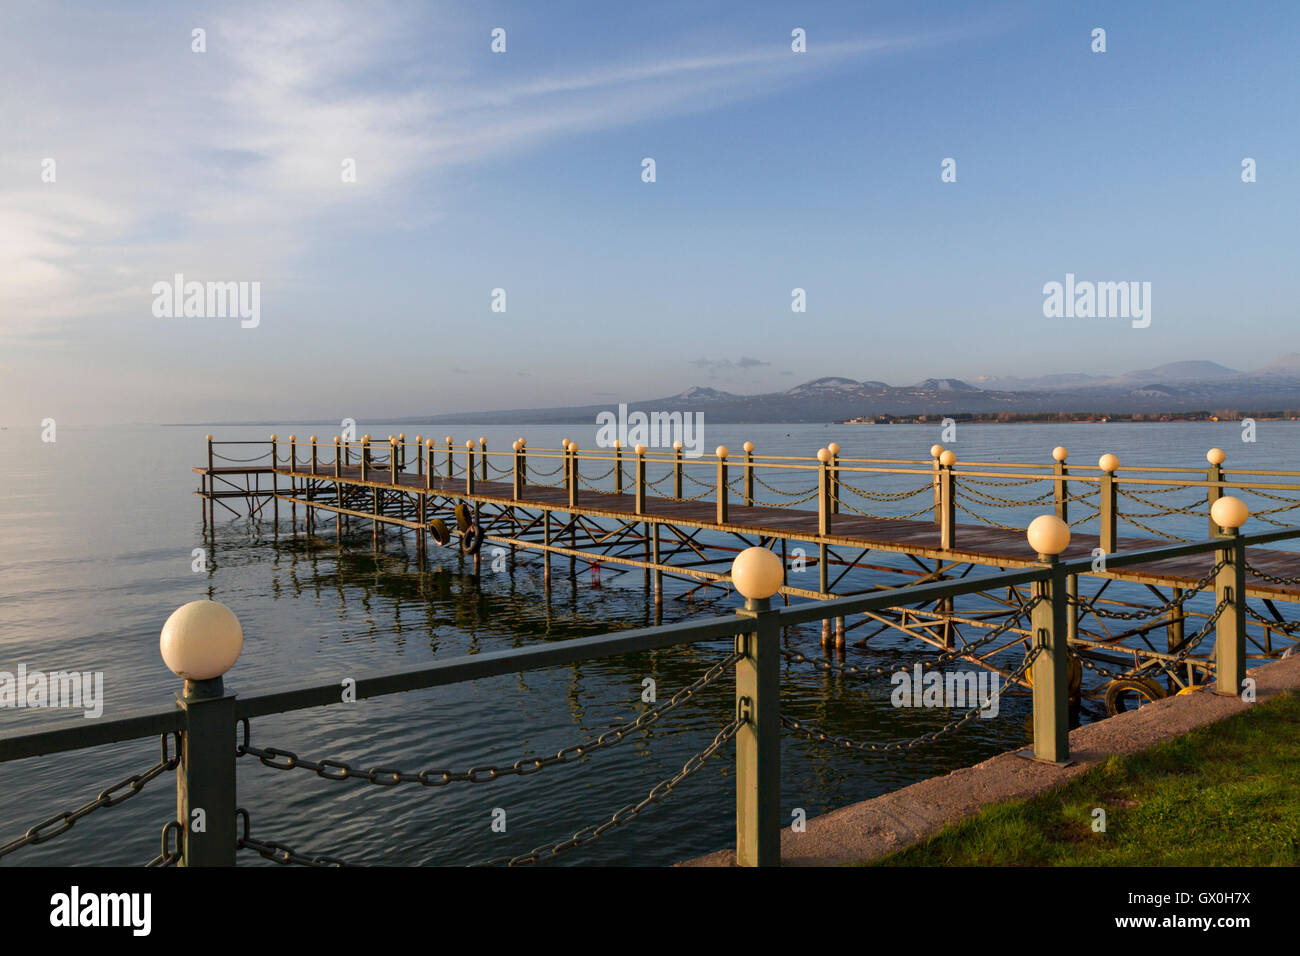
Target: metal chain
983, 520
279, 759
278, 852
1286, 627
1150, 530
1189, 645
884, 495
170, 855
63, 822
1177, 602
659, 792
952, 726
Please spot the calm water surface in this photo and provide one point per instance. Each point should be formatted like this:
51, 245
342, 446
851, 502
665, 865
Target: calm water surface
96, 539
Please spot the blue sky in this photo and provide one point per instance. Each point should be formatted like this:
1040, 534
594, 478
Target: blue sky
522, 171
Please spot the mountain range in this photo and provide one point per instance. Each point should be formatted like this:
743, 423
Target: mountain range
1173, 388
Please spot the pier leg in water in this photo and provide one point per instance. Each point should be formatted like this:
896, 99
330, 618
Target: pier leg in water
659, 575
839, 634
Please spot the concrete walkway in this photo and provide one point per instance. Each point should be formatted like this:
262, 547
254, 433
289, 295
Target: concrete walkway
875, 828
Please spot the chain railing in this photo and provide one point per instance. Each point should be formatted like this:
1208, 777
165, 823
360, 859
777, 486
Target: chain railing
207, 716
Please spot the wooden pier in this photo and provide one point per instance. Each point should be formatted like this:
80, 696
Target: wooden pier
833, 516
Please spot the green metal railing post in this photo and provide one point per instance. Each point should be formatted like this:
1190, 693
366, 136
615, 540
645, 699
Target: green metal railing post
1230, 629
401, 445
948, 509
722, 486
428, 467
935, 452
1106, 502
482, 442
451, 459
1050, 669
823, 492
393, 446
573, 475
618, 467
517, 484
469, 467
1060, 486
758, 741
365, 458
749, 474
677, 469
640, 479
419, 456
205, 778
834, 449
1215, 457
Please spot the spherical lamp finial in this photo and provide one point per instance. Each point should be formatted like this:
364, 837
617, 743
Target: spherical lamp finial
823, 455
936, 451
1048, 534
448, 439
1060, 453
469, 443
515, 445
573, 447
749, 447
1108, 463
833, 448
482, 440
201, 640
677, 445
272, 438
1229, 513
948, 458
640, 449
722, 451
757, 573
1215, 456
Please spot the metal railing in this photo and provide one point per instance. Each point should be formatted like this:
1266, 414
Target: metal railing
208, 717
1108, 497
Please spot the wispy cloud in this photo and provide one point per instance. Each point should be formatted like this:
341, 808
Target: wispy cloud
227, 164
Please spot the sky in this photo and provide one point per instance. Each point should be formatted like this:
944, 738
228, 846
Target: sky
522, 171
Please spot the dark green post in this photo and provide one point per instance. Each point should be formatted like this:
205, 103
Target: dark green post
573, 474
758, 742
640, 479
823, 492
469, 467
1215, 457
1230, 589
205, 779
722, 484
749, 473
947, 502
1050, 669
1107, 504
517, 491
482, 443
677, 469
1059, 484
618, 467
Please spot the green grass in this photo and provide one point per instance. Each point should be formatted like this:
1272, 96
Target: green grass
1225, 795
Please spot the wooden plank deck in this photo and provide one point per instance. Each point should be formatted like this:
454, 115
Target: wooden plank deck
976, 544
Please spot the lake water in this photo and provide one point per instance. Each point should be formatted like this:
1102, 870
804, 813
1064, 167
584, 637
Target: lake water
96, 536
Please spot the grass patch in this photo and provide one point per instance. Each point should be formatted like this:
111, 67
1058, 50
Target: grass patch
1224, 795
